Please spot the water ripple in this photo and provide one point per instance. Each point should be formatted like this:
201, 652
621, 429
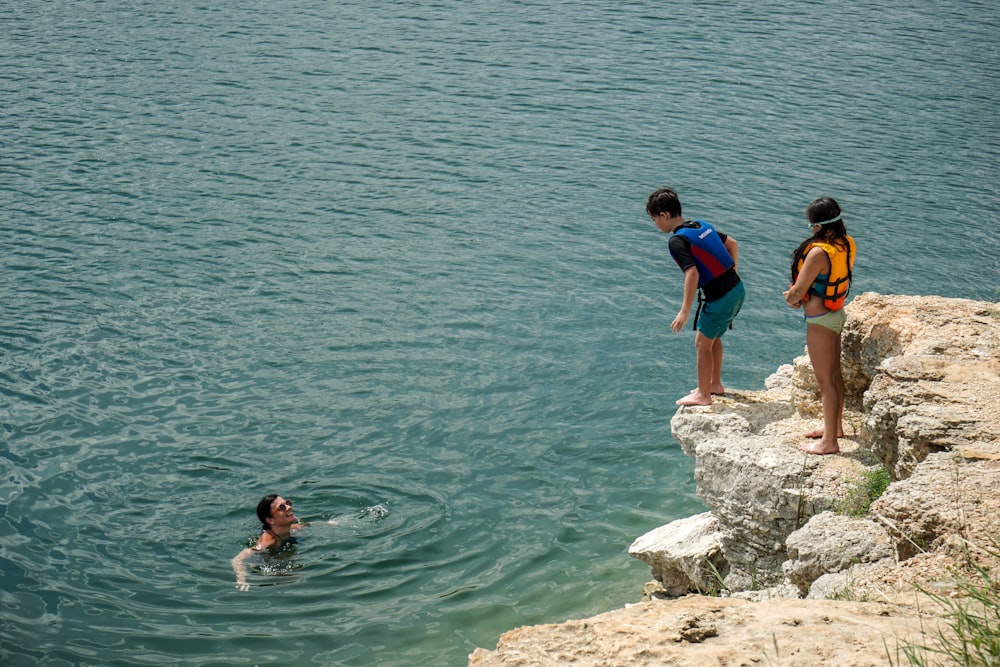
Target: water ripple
391, 260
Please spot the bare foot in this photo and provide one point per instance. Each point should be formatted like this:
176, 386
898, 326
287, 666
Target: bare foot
716, 390
818, 433
820, 448
694, 398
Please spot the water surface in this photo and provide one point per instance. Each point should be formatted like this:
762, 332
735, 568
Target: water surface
390, 260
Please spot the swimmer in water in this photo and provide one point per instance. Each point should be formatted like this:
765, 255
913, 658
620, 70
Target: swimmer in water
278, 525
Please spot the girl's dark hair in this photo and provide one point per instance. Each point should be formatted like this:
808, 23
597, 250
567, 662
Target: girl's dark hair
821, 210
834, 233
264, 509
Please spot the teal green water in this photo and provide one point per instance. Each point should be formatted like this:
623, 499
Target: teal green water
390, 260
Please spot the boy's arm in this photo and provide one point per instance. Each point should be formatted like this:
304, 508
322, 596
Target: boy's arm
690, 289
734, 251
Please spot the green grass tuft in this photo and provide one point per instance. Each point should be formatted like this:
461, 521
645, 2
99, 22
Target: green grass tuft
865, 489
973, 621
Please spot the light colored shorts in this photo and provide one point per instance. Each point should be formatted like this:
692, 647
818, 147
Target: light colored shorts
833, 320
716, 316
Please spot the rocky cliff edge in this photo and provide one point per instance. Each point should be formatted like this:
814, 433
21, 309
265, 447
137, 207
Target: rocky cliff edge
790, 566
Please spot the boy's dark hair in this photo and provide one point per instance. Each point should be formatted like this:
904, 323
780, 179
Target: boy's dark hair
264, 508
663, 200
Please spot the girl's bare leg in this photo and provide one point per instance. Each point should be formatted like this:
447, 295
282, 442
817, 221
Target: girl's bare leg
824, 353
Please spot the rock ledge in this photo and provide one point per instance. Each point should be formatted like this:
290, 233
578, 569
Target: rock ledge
923, 399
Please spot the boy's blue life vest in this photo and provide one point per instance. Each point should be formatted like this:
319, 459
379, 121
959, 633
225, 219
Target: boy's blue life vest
710, 255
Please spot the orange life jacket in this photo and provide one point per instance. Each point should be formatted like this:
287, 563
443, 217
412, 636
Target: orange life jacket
834, 287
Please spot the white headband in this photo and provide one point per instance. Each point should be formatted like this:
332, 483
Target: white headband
826, 222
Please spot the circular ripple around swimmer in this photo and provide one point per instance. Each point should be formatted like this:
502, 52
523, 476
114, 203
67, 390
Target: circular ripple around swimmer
361, 540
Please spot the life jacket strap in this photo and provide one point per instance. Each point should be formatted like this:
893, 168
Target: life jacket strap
697, 312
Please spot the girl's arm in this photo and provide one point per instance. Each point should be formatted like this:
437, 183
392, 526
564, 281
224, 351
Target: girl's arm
816, 261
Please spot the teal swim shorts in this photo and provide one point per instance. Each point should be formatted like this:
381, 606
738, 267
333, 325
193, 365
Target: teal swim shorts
716, 316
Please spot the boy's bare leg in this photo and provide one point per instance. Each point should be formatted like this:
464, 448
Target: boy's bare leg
705, 356
716, 386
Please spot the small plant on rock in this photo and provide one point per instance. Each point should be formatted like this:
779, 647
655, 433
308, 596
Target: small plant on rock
973, 619
863, 491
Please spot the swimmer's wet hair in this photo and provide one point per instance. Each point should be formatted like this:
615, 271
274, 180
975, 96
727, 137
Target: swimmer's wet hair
264, 508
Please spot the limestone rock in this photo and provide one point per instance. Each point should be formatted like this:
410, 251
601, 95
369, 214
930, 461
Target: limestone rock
936, 386
830, 543
780, 384
922, 378
782, 590
685, 555
925, 371
691, 431
757, 483
806, 394
698, 630
947, 495
844, 584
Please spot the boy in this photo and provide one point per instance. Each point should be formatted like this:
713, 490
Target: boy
708, 260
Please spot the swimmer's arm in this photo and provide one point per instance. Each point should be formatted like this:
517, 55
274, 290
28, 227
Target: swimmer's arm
813, 265
329, 522
240, 569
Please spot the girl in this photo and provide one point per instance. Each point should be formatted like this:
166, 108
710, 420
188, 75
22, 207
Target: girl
821, 279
